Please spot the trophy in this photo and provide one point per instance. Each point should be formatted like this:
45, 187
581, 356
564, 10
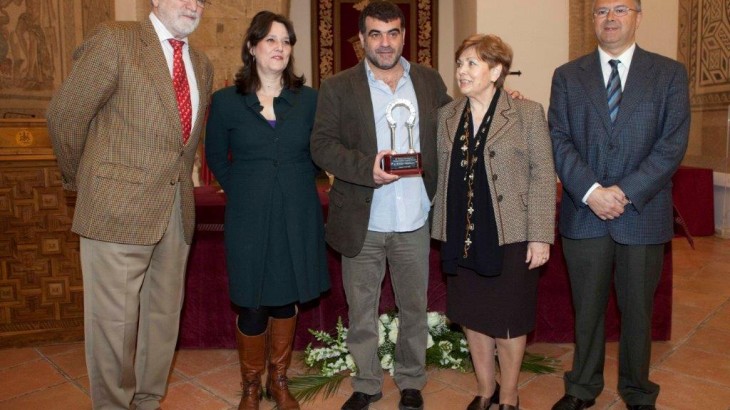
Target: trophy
410, 162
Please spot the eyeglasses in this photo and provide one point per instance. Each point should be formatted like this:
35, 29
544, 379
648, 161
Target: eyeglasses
618, 11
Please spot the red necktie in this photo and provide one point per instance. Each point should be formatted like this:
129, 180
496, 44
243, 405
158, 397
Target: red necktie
182, 89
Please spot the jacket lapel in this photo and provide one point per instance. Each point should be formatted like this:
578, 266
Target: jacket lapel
154, 60
504, 118
591, 76
453, 119
361, 95
422, 96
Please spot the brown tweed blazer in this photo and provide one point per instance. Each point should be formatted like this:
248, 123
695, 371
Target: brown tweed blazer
520, 170
116, 131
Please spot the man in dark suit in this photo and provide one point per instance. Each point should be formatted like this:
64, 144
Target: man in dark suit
375, 216
125, 126
619, 119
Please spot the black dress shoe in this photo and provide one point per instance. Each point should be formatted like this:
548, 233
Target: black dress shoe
483, 403
569, 402
361, 401
641, 407
410, 399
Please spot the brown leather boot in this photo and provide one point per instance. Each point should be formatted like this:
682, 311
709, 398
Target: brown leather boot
252, 355
281, 337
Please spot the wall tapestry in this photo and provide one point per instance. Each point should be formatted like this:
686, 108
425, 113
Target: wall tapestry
336, 45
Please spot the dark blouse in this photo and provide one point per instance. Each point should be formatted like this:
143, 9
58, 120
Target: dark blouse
485, 255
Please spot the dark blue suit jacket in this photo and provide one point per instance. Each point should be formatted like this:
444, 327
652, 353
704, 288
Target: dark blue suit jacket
639, 153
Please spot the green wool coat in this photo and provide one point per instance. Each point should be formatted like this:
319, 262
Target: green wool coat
269, 180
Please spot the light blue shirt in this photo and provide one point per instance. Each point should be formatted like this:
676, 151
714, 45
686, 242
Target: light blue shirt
403, 205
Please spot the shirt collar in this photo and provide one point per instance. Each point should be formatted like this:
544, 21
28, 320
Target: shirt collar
162, 32
624, 58
403, 62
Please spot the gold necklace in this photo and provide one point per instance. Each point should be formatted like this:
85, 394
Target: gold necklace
469, 161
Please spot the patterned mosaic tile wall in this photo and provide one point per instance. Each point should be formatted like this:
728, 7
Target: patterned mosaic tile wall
704, 47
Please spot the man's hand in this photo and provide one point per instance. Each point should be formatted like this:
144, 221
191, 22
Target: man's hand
625, 201
514, 94
379, 176
538, 254
607, 203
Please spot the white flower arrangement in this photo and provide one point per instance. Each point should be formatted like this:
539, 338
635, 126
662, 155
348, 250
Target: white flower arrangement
445, 349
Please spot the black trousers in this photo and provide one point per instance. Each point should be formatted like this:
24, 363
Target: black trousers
635, 270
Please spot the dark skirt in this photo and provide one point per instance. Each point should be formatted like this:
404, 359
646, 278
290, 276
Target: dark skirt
499, 306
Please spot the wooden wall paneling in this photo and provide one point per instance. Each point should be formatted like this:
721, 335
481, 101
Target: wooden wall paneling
41, 291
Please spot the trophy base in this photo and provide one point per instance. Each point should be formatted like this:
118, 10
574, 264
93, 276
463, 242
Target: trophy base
403, 164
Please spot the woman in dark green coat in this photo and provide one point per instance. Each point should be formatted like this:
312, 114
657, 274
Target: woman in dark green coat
274, 238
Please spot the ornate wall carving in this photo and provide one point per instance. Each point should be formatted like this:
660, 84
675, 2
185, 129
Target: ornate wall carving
336, 45
41, 294
37, 39
41, 291
94, 12
221, 32
704, 47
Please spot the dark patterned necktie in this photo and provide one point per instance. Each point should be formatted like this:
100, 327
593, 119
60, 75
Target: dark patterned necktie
182, 89
613, 90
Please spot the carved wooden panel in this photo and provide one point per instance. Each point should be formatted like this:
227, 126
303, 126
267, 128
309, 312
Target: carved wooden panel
41, 292
95, 12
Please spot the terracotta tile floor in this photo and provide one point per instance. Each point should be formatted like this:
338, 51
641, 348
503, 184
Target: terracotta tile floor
693, 368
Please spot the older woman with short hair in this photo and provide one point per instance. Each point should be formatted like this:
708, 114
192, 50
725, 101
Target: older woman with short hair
494, 212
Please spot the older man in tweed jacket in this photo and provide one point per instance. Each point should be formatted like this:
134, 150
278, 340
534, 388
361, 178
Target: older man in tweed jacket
128, 151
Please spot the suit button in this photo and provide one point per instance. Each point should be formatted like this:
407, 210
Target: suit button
494, 177
611, 146
367, 200
492, 154
172, 182
499, 198
182, 153
276, 163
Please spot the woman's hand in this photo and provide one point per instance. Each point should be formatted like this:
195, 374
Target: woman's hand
538, 254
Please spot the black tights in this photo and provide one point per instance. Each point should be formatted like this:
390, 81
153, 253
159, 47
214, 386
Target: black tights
253, 322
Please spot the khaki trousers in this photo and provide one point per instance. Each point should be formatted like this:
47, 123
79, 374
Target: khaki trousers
132, 300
